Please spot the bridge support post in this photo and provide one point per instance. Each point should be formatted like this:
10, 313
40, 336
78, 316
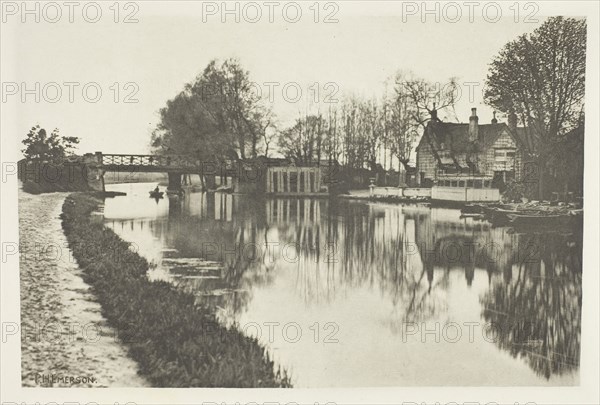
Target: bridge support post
174, 182
210, 181
210, 205
94, 171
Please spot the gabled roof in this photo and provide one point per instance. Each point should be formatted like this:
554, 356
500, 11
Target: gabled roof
525, 138
451, 145
455, 137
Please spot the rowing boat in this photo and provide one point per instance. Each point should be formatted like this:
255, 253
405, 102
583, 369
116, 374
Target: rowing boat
156, 194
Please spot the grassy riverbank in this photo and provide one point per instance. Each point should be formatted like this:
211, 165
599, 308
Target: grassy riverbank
175, 342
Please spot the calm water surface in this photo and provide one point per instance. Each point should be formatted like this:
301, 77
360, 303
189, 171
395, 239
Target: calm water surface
357, 294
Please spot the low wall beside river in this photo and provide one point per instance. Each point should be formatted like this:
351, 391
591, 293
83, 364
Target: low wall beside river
400, 192
46, 177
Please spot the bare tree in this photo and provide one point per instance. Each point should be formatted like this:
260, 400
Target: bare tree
426, 98
401, 128
269, 134
360, 130
303, 141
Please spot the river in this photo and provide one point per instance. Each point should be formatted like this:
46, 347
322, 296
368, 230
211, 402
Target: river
356, 294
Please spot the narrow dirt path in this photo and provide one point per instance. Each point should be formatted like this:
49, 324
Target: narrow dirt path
63, 331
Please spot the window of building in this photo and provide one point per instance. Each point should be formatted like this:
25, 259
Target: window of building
470, 183
478, 183
454, 184
502, 155
461, 183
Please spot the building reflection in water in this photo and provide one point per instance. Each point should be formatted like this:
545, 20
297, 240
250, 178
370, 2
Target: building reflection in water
225, 248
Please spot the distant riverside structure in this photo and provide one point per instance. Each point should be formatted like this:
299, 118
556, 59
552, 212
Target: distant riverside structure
495, 151
246, 176
291, 180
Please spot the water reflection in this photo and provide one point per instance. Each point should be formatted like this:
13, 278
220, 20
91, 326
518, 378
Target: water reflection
371, 269
537, 304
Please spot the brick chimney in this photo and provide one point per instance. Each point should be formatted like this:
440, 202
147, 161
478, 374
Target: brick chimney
494, 120
473, 125
512, 121
433, 114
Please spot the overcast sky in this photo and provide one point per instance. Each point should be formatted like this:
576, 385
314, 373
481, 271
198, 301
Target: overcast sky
170, 44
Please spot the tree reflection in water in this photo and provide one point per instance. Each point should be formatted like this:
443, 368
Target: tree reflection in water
536, 307
407, 254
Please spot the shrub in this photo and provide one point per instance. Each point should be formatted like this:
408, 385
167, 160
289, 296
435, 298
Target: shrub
514, 191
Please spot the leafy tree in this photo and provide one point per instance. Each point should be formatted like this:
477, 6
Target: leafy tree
53, 147
187, 127
540, 77
218, 115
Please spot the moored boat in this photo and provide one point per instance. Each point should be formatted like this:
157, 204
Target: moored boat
530, 219
472, 209
468, 189
175, 193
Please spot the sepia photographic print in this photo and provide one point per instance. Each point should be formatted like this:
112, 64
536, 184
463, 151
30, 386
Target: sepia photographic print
320, 202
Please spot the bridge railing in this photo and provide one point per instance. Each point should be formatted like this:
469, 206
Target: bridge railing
149, 160
168, 162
